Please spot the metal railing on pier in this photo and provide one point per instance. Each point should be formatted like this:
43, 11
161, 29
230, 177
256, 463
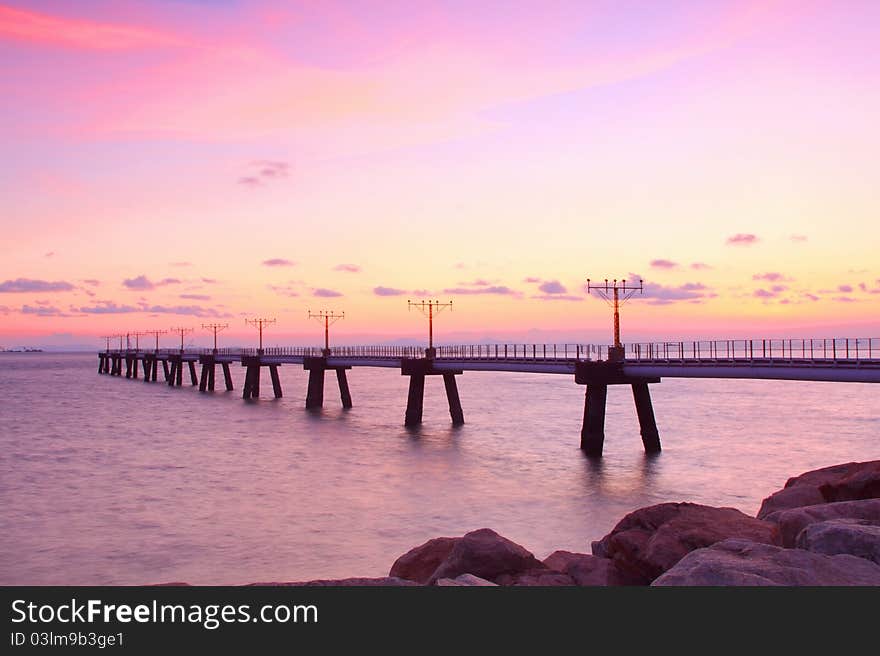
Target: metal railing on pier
777, 350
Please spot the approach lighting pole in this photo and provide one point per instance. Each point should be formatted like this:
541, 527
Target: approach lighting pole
107, 338
328, 319
259, 323
216, 328
428, 308
156, 334
616, 293
182, 332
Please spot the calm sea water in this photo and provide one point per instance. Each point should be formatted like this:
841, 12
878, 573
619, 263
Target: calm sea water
112, 481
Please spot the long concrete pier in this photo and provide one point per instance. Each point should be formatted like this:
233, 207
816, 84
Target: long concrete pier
594, 367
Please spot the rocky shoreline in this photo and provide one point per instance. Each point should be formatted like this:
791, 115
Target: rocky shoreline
821, 529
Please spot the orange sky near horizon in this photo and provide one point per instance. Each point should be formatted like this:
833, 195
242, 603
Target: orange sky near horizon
179, 163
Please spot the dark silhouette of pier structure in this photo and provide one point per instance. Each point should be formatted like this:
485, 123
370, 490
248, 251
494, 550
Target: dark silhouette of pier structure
594, 366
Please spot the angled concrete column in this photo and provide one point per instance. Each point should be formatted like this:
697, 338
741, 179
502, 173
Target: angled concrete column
127, 367
647, 423
211, 371
415, 400
251, 382
344, 393
192, 373
454, 401
276, 382
593, 431
227, 377
166, 370
203, 379
315, 392
134, 368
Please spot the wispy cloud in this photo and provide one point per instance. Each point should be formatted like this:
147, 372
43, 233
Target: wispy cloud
700, 266
195, 297
532, 280
142, 283
278, 262
92, 281
798, 238
110, 307
742, 239
264, 171
181, 264
26, 285
388, 291
284, 290
349, 268
763, 293
770, 276
846, 289
553, 287
321, 292
31, 26
664, 264
43, 311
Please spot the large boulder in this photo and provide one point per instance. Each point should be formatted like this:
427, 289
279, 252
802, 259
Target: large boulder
419, 563
649, 541
486, 554
743, 562
586, 570
465, 580
542, 577
357, 582
856, 537
849, 481
793, 521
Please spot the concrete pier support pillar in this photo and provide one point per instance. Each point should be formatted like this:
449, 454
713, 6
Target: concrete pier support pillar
276, 381
154, 369
454, 401
194, 379
344, 393
127, 367
251, 382
165, 369
315, 392
647, 423
134, 367
203, 379
593, 431
178, 372
415, 400
211, 369
100, 363
227, 377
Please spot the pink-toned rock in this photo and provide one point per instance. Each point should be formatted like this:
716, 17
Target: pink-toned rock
649, 541
586, 570
358, 582
486, 554
848, 481
793, 521
744, 563
419, 563
856, 537
536, 577
465, 580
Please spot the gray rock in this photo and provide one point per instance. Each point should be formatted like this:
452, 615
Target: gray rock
738, 562
419, 563
486, 554
648, 541
856, 537
465, 580
586, 570
359, 582
537, 577
793, 521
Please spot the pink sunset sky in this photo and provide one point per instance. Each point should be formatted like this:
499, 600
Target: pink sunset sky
174, 163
